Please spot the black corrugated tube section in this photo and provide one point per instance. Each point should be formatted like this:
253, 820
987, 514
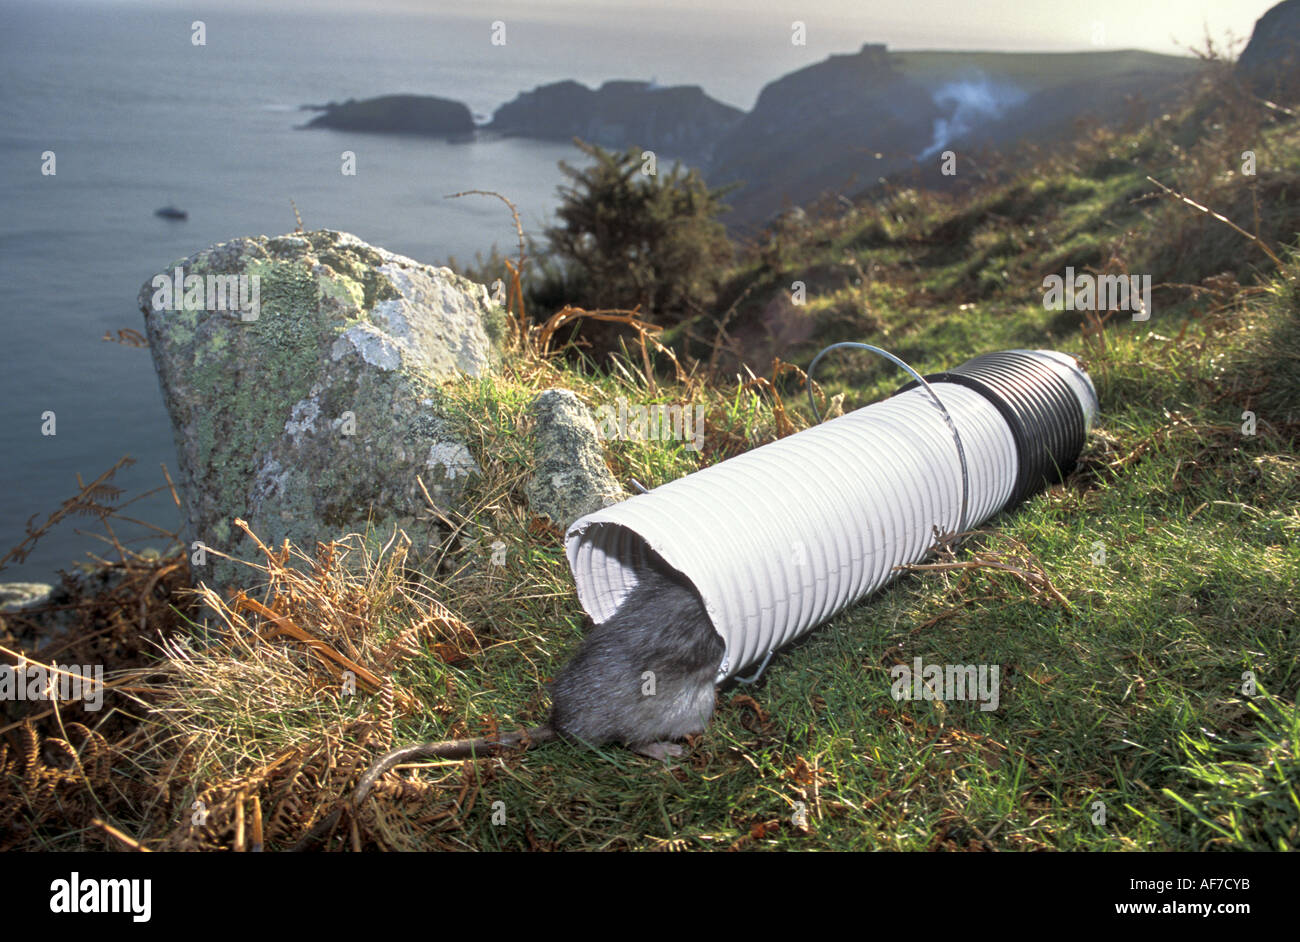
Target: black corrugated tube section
1045, 416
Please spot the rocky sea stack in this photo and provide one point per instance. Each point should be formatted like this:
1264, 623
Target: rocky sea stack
681, 121
398, 114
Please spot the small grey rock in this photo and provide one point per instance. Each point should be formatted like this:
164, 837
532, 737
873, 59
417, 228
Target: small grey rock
570, 478
15, 596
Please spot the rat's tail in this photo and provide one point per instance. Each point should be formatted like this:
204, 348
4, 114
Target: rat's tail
450, 749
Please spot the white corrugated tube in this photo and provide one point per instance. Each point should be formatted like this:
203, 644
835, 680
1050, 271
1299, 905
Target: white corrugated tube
781, 538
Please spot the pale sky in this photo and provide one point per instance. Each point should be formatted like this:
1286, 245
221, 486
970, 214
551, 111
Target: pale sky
1050, 25
984, 24
1167, 26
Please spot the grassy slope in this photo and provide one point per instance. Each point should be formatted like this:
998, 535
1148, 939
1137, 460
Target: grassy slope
1130, 695
1040, 70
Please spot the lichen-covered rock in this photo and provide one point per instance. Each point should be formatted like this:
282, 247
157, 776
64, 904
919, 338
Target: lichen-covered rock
570, 478
305, 396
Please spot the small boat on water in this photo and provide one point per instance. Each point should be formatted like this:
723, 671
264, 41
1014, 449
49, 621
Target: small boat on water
171, 212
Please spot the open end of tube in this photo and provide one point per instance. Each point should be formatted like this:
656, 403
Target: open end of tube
608, 560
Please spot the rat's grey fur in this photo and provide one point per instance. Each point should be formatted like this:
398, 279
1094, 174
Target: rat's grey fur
601, 694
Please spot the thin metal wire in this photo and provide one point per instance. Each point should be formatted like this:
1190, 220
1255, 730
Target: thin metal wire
956, 437
753, 678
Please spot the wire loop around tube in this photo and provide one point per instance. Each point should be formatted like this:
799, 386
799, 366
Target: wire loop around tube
956, 436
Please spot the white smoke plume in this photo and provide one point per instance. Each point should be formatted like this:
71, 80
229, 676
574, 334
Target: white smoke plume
968, 102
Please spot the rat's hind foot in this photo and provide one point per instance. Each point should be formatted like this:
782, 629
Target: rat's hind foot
659, 750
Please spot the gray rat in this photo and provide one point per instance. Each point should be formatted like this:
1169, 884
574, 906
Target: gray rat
643, 678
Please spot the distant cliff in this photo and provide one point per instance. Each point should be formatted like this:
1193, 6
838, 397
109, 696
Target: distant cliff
1270, 63
843, 124
680, 121
819, 128
397, 114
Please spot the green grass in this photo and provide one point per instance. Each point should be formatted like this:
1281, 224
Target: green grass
1132, 697
1040, 70
1129, 700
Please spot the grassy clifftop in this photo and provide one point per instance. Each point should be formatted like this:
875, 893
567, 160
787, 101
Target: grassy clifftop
1143, 613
